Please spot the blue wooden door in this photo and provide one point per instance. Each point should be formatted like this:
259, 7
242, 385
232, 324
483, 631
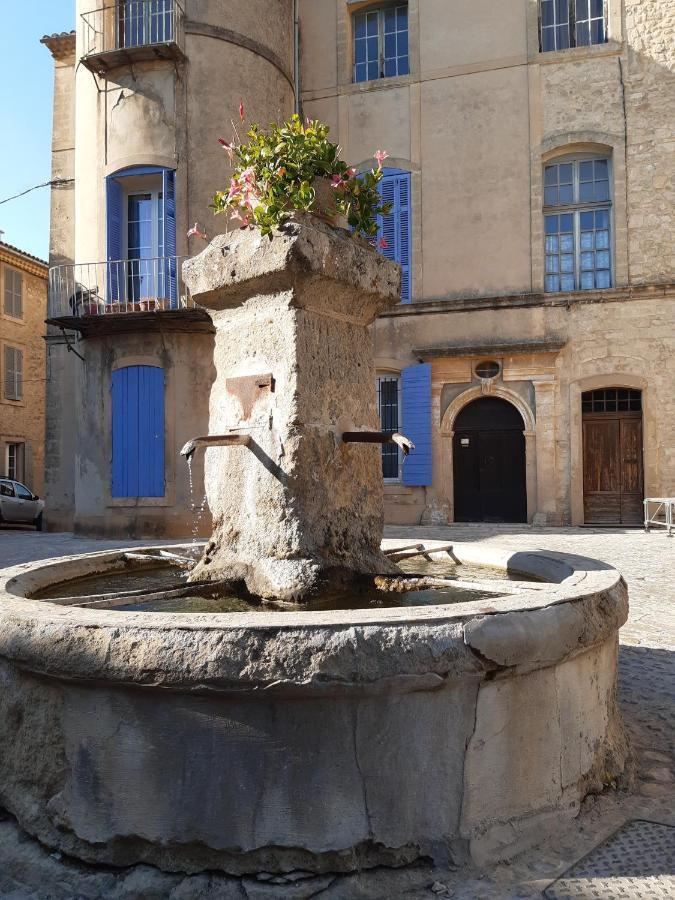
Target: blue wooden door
396, 227
138, 432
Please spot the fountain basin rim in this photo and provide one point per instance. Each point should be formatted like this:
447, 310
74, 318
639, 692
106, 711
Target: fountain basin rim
400, 648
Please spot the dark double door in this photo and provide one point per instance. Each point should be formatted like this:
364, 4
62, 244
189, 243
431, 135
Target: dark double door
613, 477
489, 463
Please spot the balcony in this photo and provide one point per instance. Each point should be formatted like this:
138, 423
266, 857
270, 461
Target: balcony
123, 295
130, 31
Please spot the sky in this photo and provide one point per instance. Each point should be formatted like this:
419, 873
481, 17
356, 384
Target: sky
26, 83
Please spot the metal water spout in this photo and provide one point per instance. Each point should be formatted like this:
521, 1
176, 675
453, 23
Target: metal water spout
215, 440
379, 437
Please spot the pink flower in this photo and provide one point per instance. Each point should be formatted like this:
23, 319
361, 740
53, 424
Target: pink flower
227, 147
195, 232
350, 173
237, 216
242, 111
336, 181
382, 244
248, 175
380, 156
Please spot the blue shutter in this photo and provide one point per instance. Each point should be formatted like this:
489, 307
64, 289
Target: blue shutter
416, 423
169, 226
138, 432
395, 228
114, 220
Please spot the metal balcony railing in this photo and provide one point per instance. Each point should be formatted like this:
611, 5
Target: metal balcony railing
130, 30
118, 286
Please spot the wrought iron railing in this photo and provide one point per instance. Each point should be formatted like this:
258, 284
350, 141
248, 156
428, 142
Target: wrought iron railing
131, 24
117, 286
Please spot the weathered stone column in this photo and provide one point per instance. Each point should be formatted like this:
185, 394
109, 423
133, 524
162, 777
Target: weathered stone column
296, 508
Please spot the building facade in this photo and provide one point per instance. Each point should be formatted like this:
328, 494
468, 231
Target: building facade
531, 175
23, 308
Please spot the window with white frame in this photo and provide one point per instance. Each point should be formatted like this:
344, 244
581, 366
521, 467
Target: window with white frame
577, 225
389, 411
572, 23
381, 42
13, 293
13, 374
15, 456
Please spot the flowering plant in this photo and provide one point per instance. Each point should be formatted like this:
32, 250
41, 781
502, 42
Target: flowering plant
276, 172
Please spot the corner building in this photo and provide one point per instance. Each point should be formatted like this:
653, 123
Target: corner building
531, 175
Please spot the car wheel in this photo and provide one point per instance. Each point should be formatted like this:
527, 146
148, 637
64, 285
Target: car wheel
38, 523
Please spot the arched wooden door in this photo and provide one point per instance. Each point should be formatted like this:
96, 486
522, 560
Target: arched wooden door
489, 463
613, 473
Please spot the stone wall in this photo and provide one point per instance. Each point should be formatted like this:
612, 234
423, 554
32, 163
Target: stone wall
23, 421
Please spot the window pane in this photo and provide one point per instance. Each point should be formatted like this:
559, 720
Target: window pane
402, 43
586, 191
360, 52
552, 284
603, 279
389, 20
587, 220
550, 196
567, 263
373, 71
404, 65
587, 281
402, 18
602, 240
586, 240
587, 261
372, 49
567, 283
551, 175
372, 24
565, 195
602, 259
600, 169
566, 173
390, 67
583, 34
597, 32
551, 244
582, 9
586, 170
602, 190
601, 218
567, 243
390, 46
566, 223
547, 12
360, 25
552, 264
551, 224
562, 37
597, 8
361, 73
547, 39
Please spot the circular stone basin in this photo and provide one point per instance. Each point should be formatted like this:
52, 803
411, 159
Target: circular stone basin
321, 740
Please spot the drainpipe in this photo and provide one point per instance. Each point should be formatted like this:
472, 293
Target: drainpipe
296, 54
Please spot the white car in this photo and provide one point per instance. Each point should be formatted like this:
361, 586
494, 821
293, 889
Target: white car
18, 505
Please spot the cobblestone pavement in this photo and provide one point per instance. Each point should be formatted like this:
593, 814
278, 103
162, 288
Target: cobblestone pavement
647, 696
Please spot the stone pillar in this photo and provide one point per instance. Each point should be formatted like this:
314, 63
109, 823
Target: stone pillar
546, 456
297, 508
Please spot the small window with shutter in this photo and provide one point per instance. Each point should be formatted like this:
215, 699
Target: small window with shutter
13, 293
13, 374
394, 230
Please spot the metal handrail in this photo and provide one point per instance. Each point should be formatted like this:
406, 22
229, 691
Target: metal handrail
132, 24
117, 286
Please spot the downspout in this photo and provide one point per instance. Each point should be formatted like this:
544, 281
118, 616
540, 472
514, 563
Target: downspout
296, 54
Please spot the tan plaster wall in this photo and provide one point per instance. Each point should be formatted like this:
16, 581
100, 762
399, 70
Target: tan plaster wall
23, 421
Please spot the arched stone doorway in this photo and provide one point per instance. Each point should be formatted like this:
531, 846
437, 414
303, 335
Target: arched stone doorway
489, 462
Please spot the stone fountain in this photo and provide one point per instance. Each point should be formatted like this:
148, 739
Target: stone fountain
321, 740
